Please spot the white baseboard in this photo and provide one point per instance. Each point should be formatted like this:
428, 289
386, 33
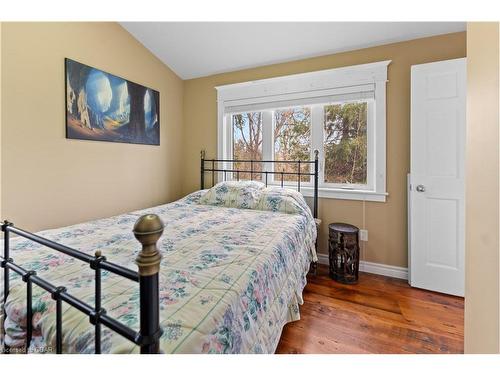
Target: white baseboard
376, 268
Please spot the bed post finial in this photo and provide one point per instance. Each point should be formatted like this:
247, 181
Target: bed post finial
316, 154
148, 230
202, 154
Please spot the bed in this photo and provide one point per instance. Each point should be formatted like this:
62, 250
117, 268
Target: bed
229, 279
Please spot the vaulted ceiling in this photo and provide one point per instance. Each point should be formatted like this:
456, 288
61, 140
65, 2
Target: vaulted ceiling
197, 49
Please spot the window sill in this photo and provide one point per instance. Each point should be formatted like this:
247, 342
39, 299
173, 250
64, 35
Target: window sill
349, 194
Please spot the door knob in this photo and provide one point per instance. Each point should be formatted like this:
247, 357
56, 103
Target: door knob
420, 188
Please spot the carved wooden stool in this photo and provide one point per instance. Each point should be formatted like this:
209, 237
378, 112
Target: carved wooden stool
344, 252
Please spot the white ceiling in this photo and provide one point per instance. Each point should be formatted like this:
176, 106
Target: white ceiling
197, 49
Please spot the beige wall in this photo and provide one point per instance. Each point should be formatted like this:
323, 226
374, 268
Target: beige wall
482, 291
386, 222
50, 181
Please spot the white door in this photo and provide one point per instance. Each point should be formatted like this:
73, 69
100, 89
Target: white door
437, 176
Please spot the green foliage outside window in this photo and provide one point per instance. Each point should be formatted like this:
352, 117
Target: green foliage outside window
345, 142
292, 141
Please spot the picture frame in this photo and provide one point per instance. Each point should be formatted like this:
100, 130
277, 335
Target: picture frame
101, 106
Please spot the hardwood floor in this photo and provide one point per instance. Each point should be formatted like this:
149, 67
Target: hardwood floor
378, 315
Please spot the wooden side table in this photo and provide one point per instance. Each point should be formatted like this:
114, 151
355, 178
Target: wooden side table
343, 251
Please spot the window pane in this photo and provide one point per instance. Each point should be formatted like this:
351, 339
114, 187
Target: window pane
247, 143
292, 141
345, 143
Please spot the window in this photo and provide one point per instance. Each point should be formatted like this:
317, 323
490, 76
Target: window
339, 112
292, 140
345, 143
247, 143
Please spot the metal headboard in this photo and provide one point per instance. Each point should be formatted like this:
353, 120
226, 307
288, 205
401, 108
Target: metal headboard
215, 166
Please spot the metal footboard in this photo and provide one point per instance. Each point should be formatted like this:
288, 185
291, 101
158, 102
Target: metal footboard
148, 229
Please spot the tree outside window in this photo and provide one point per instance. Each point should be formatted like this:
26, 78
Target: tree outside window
292, 141
345, 143
247, 143
344, 137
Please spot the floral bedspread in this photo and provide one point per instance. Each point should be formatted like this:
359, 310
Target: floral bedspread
230, 279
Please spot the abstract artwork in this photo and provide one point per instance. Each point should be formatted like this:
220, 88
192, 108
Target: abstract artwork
103, 107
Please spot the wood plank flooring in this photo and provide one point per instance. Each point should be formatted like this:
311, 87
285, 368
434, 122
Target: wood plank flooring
378, 315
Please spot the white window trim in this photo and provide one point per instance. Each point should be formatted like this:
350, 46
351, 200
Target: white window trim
322, 83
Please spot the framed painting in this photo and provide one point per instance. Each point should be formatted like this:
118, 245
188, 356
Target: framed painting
103, 107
